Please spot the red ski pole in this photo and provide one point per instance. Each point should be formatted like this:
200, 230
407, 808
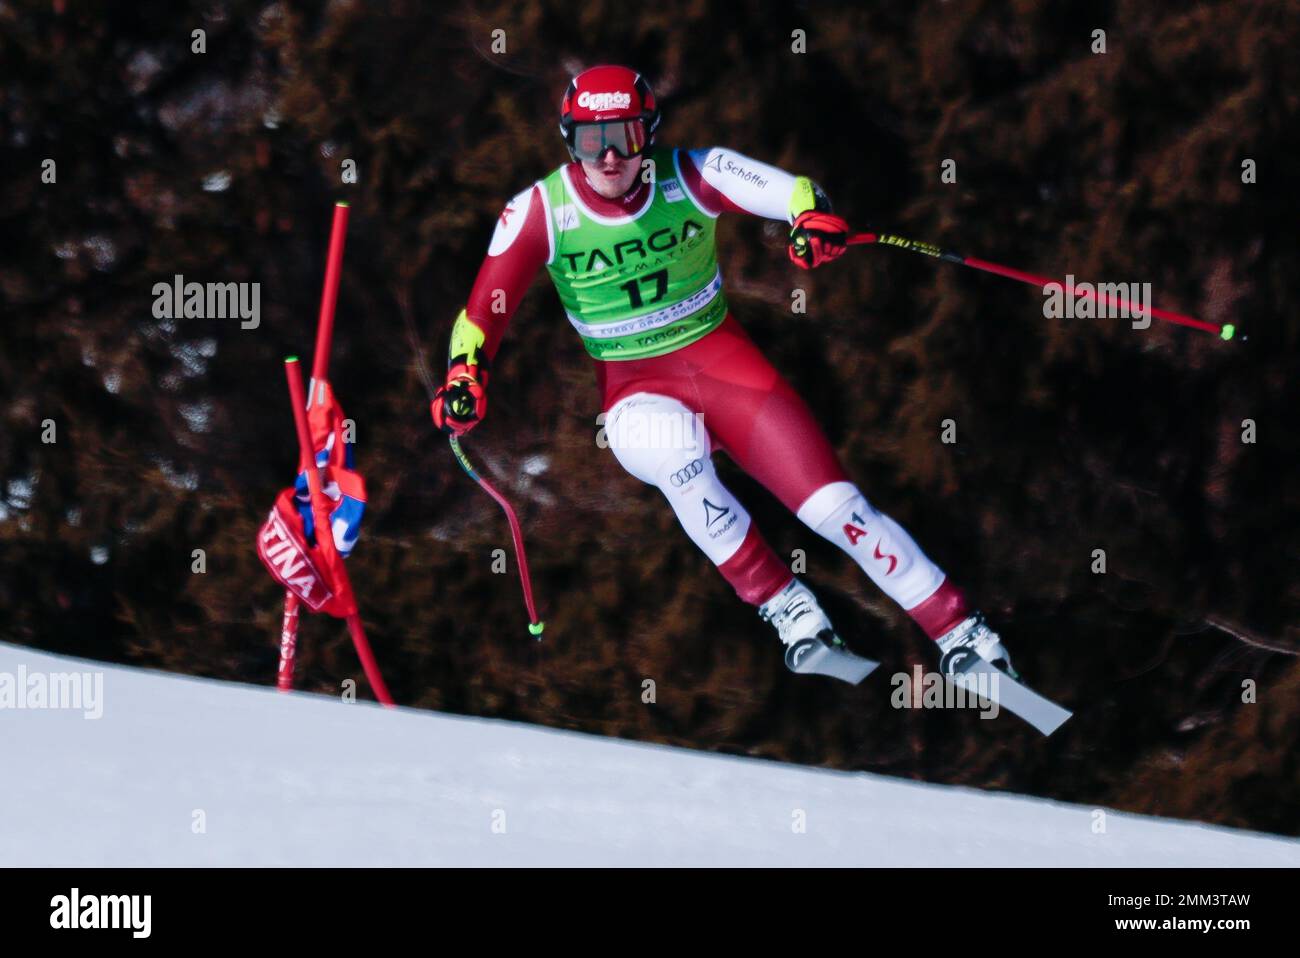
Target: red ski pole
1224, 331
535, 625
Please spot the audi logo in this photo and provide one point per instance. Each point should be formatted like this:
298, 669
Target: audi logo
687, 472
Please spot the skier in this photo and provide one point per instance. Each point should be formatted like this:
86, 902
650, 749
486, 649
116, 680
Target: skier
626, 232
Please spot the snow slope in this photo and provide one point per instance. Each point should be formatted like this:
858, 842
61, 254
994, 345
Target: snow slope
307, 780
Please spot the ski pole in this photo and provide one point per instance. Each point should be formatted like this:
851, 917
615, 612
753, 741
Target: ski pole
324, 535
1225, 331
535, 625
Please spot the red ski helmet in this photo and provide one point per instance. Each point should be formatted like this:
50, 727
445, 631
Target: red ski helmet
608, 106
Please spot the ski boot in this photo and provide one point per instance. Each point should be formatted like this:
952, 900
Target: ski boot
812, 647
969, 639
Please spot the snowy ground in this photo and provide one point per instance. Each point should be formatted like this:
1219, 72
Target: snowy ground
182, 771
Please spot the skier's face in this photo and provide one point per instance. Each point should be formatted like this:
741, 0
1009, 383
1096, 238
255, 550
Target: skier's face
611, 176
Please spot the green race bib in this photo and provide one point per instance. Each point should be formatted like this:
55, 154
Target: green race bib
639, 285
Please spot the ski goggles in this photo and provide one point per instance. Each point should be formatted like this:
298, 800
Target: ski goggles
627, 138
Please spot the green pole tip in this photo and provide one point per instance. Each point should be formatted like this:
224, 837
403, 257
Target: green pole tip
290, 359
342, 203
1227, 331
536, 627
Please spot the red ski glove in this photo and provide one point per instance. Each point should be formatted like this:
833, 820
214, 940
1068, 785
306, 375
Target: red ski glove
461, 402
817, 238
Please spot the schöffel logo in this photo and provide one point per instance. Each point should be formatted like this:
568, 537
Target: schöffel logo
687, 472
722, 164
721, 516
604, 101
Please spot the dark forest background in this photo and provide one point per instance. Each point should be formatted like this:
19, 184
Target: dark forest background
1073, 435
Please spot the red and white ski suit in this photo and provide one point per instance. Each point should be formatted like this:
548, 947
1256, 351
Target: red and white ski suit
751, 412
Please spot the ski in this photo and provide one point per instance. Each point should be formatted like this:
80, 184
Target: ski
1014, 696
815, 657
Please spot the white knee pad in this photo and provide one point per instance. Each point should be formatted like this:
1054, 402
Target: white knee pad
887, 554
662, 442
